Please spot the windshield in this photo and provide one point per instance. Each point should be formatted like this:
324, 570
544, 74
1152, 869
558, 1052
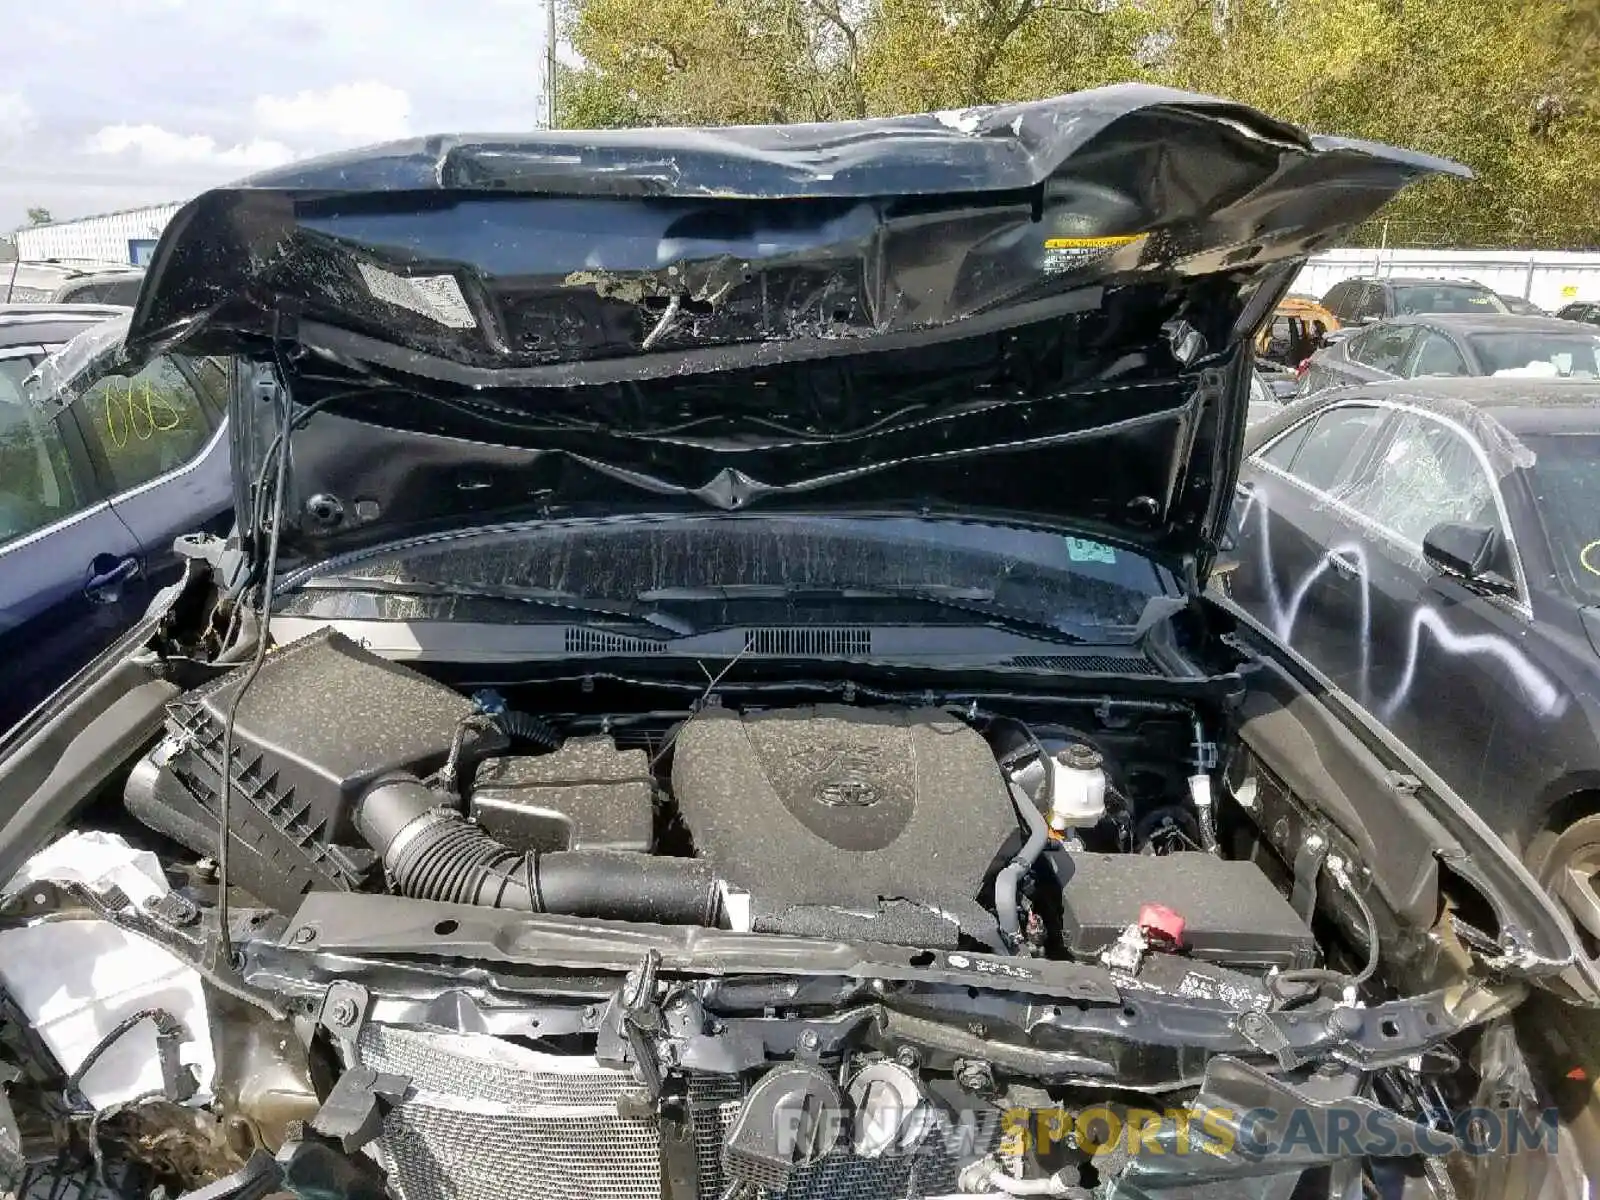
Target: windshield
1552, 355
732, 563
1446, 298
1566, 481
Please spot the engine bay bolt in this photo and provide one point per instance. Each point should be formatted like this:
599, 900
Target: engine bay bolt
1345, 1022
343, 1012
978, 1029
305, 935
908, 1057
591, 1015
809, 1040
974, 1075
1315, 842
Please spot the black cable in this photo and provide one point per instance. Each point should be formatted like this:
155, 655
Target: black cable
1371, 968
225, 940
268, 459
1314, 976
167, 1026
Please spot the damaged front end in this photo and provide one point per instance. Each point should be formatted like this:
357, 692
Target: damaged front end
475, 953
682, 755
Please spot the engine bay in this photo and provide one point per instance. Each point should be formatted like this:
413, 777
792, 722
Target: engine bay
906, 826
446, 915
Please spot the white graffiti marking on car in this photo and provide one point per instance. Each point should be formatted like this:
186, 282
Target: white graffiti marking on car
1545, 698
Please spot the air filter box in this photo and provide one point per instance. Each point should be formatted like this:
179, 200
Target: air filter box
321, 722
588, 795
1232, 914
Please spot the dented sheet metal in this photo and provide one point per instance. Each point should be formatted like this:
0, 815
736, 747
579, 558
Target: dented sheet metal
803, 317
800, 233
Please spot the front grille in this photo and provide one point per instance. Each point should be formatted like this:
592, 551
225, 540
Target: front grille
490, 1120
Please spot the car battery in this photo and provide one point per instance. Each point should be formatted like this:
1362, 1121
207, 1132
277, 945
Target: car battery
1232, 915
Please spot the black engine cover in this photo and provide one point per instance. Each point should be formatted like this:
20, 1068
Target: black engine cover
838, 806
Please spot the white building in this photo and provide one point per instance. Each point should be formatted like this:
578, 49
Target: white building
123, 237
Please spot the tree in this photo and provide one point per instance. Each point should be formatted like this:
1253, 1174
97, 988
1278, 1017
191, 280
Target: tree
40, 216
715, 62
1511, 88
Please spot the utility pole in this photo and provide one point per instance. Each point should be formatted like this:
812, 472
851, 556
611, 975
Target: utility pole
550, 65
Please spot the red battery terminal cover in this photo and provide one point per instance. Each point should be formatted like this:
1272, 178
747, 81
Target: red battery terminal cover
1162, 926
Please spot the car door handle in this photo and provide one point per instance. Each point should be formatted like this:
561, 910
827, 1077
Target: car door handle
107, 575
1345, 564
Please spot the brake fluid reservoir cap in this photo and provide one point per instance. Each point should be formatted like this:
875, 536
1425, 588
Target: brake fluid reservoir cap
1162, 926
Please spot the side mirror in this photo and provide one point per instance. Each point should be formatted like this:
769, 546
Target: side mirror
1465, 551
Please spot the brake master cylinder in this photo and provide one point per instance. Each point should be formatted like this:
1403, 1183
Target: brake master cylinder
1077, 788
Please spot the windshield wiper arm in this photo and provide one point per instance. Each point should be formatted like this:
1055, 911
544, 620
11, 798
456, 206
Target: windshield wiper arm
586, 606
977, 601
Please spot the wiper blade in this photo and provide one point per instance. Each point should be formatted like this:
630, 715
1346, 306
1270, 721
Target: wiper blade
977, 601
571, 602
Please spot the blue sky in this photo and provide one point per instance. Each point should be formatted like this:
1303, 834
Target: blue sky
110, 104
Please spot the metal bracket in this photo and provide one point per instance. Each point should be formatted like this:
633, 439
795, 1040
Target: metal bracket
353, 1113
1262, 1032
628, 1030
680, 1165
344, 1009
1307, 868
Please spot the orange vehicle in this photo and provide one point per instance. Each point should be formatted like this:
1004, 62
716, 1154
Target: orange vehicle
1299, 328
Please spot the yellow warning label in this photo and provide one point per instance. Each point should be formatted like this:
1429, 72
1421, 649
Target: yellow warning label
1091, 243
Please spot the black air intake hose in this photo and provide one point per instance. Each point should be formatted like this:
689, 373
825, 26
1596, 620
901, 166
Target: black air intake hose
434, 853
528, 728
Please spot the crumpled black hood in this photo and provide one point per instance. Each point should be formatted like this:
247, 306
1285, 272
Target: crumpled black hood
1036, 310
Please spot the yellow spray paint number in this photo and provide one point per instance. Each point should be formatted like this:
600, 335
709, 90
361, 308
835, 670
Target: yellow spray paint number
134, 410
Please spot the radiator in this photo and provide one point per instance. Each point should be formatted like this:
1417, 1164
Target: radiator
487, 1119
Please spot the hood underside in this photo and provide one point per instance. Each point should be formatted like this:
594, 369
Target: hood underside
842, 315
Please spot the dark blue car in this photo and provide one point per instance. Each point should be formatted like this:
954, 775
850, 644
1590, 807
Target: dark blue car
100, 469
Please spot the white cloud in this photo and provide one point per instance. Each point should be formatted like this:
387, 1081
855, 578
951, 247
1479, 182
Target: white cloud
155, 146
17, 121
346, 115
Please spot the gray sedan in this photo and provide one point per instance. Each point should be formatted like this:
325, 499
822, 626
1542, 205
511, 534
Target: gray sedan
1458, 344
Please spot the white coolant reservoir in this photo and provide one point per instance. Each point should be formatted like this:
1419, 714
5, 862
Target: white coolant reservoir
1076, 788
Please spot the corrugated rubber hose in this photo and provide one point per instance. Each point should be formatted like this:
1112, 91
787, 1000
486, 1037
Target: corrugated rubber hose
433, 853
